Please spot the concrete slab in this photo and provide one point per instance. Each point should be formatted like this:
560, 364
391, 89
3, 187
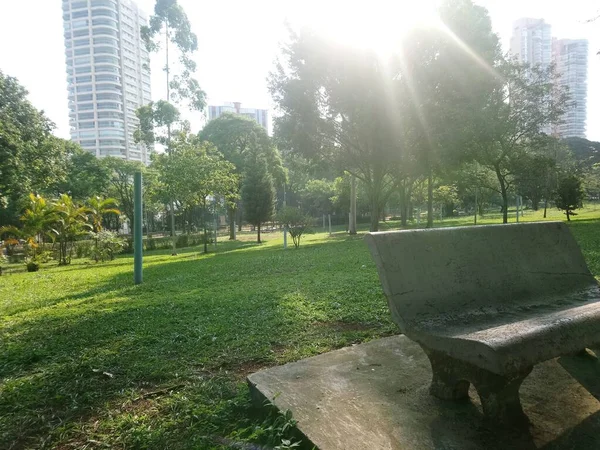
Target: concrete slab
375, 396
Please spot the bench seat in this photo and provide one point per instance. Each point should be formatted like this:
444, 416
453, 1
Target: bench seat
488, 303
510, 340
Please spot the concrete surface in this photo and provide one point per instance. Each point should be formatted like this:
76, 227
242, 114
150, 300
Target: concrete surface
375, 396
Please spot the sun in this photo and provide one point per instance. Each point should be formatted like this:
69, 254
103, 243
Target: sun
377, 25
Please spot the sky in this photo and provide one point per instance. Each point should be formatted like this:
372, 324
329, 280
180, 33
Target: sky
239, 41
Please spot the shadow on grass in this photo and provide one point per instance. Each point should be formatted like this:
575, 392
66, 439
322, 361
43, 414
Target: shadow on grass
253, 306
197, 321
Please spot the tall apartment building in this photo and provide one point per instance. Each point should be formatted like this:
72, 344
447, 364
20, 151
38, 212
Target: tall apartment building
571, 59
259, 115
108, 75
531, 42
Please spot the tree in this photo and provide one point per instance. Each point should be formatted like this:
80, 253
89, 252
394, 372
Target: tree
195, 174
531, 177
317, 197
71, 222
35, 223
238, 139
524, 101
120, 183
569, 194
97, 208
31, 159
331, 99
295, 221
170, 18
86, 175
445, 76
258, 193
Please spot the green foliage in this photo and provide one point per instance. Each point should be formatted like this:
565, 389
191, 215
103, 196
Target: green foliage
195, 174
239, 138
31, 159
84, 248
569, 194
108, 244
525, 100
121, 183
86, 175
154, 118
71, 222
585, 152
317, 197
98, 208
36, 221
296, 222
32, 266
258, 193
170, 18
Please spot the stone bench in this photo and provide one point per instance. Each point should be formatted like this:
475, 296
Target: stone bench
487, 303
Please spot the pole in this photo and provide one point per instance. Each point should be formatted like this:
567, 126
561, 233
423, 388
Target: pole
234, 231
475, 218
285, 230
517, 200
137, 228
216, 228
352, 223
329, 217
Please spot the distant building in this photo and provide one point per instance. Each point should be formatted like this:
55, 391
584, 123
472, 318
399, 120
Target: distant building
531, 42
108, 75
261, 116
571, 59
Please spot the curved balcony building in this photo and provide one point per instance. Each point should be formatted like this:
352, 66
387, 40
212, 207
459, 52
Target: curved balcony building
108, 75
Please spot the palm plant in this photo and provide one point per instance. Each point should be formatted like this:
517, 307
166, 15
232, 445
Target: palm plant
36, 221
97, 208
71, 222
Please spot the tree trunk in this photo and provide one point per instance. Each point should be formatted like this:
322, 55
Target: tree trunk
204, 230
430, 199
504, 194
239, 216
172, 213
568, 216
545, 206
375, 206
258, 229
403, 205
352, 224
232, 212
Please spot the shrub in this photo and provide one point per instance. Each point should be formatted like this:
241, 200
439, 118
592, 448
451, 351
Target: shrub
108, 244
296, 221
182, 241
33, 266
150, 244
83, 249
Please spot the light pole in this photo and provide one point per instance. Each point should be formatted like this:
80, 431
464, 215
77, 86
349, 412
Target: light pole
285, 225
137, 228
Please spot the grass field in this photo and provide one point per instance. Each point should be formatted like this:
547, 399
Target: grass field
87, 360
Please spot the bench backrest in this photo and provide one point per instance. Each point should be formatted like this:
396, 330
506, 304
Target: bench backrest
450, 270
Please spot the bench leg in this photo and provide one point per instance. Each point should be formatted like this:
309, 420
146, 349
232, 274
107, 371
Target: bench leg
499, 394
499, 397
448, 382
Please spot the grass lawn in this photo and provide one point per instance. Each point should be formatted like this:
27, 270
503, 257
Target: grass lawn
87, 360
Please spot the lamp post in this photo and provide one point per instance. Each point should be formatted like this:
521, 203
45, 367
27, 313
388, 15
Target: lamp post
137, 228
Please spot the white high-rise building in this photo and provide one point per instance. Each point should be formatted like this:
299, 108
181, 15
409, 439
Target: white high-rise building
108, 75
259, 115
571, 59
531, 42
